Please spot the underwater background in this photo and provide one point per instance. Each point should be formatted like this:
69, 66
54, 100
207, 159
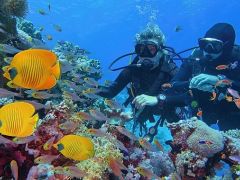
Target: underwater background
107, 28
86, 36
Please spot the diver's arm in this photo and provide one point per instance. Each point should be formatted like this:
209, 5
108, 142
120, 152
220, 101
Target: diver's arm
121, 81
178, 95
182, 79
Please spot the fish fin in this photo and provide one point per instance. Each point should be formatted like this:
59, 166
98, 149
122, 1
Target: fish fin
56, 71
6, 73
30, 127
12, 85
48, 84
5, 68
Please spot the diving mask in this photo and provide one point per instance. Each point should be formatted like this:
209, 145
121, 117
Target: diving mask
211, 45
147, 49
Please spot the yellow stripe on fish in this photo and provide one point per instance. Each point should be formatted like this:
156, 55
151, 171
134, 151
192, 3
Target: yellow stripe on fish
36, 69
17, 119
75, 147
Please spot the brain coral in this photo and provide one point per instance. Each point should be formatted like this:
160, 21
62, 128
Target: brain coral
202, 132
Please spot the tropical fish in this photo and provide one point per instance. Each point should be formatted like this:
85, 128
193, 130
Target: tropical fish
5, 48
74, 171
178, 28
112, 104
214, 95
24, 140
45, 159
74, 97
69, 126
84, 116
89, 91
147, 173
120, 145
5, 93
49, 7
97, 132
235, 158
44, 95
18, 119
42, 12
223, 82
116, 167
14, 169
4, 140
48, 145
199, 113
237, 102
127, 133
57, 28
91, 81
234, 93
36, 69
146, 145
49, 37
159, 146
222, 67
70, 84
66, 67
99, 116
78, 79
75, 147
38, 105
205, 142
229, 98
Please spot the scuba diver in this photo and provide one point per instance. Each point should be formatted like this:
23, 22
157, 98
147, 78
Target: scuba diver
150, 69
208, 80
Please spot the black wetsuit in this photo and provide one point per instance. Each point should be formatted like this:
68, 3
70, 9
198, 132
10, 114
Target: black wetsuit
226, 112
143, 82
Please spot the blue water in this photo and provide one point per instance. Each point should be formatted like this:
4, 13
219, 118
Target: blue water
107, 27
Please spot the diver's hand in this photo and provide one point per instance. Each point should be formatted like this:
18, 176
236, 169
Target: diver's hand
204, 82
144, 100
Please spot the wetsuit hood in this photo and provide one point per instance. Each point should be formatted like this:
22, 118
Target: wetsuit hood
226, 33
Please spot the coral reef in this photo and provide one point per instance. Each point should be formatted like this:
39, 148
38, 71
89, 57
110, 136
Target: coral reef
18, 8
197, 148
235, 133
28, 27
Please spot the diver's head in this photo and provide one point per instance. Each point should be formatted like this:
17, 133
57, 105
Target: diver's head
149, 43
218, 42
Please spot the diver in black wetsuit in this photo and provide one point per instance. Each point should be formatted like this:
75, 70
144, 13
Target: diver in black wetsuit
216, 59
146, 80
